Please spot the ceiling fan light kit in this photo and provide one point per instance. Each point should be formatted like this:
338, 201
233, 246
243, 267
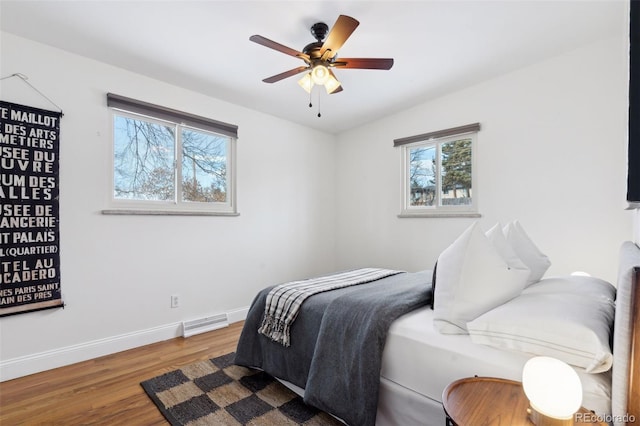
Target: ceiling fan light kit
321, 57
320, 74
330, 83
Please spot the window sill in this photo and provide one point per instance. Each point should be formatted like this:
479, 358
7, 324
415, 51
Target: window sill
440, 215
166, 212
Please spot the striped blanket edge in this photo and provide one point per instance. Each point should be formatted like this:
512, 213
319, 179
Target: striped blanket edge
284, 301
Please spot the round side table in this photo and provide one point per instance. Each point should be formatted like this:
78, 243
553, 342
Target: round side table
491, 401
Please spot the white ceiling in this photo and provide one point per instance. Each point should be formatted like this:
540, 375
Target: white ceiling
438, 46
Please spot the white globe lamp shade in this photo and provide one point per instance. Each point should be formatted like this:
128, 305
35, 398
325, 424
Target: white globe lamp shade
552, 387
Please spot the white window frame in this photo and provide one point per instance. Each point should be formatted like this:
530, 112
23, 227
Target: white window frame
175, 206
438, 210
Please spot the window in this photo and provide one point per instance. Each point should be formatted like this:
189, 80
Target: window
166, 161
439, 173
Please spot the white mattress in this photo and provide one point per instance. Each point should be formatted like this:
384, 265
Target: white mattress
417, 357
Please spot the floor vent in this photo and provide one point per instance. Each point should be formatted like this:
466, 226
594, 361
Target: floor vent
193, 327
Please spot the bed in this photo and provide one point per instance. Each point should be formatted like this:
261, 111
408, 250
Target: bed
414, 362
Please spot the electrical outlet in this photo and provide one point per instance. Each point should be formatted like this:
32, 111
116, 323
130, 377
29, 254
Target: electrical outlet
175, 301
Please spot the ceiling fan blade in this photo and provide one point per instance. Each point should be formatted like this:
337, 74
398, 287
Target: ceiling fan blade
364, 63
279, 47
338, 90
285, 74
342, 29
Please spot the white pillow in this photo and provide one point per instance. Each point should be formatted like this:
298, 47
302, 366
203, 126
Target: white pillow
472, 278
500, 243
569, 318
527, 251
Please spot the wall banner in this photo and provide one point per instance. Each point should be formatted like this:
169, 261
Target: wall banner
29, 209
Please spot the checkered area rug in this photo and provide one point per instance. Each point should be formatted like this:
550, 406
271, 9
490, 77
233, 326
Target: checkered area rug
217, 392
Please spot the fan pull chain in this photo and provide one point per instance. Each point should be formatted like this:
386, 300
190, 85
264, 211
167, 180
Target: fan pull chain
311, 104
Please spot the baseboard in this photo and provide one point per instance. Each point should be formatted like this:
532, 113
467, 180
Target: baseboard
237, 315
35, 363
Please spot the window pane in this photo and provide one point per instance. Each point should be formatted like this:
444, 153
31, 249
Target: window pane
422, 174
143, 158
456, 173
204, 166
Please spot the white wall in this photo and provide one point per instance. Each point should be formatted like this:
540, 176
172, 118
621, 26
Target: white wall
118, 272
551, 153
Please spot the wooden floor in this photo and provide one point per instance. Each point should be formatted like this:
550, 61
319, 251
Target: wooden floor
106, 390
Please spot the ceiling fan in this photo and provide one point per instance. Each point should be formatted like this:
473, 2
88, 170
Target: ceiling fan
320, 57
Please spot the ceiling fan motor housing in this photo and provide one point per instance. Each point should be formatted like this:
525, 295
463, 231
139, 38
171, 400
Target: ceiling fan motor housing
319, 30
313, 49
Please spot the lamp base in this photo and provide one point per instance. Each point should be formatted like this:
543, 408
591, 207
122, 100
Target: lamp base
540, 419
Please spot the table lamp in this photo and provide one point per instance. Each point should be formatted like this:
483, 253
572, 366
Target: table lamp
554, 391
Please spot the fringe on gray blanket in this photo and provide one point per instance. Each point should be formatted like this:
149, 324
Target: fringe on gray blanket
278, 330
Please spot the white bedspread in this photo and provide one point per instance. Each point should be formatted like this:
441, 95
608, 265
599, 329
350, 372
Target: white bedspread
420, 359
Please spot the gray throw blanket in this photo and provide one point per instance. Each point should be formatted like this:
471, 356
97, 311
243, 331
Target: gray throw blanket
285, 300
338, 339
